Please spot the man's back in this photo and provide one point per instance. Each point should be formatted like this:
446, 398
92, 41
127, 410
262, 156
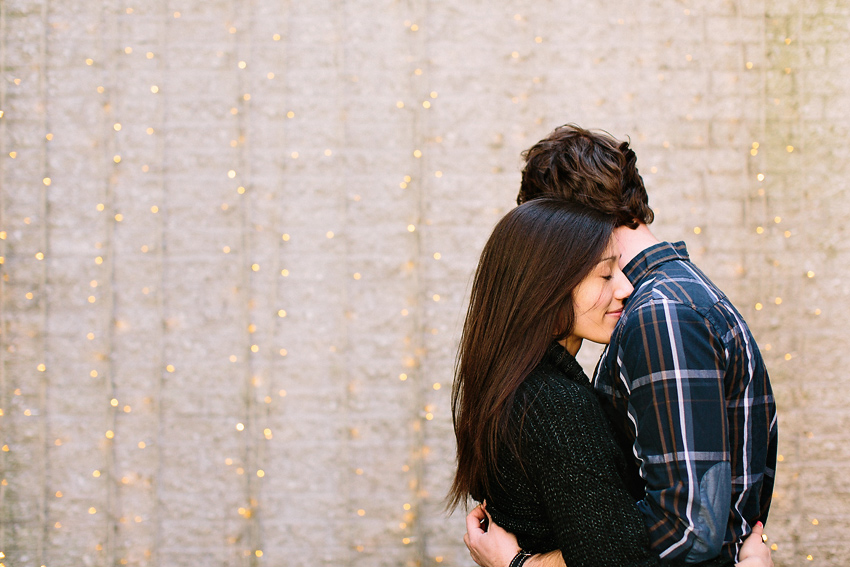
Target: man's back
687, 388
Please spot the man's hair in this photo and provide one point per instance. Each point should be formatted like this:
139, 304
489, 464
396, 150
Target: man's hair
588, 167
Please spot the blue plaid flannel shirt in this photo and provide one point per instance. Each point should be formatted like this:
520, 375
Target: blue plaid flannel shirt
687, 389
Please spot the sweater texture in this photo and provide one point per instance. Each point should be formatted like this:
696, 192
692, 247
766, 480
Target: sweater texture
566, 490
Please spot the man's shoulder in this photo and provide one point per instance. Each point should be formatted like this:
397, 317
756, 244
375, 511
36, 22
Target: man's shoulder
678, 282
678, 291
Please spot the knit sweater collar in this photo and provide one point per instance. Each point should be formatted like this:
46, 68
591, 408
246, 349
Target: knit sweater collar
559, 357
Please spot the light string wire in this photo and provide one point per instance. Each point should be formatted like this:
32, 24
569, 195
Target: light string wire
245, 538
753, 165
44, 381
421, 319
269, 317
762, 120
806, 335
253, 365
794, 446
111, 81
755, 207
160, 140
338, 368
277, 335
5, 511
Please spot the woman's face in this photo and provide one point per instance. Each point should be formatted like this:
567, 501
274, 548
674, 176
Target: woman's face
598, 301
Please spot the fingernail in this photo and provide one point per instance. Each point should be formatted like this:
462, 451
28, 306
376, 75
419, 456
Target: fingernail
759, 524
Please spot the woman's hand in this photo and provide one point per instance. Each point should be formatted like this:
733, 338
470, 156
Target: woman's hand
754, 552
488, 544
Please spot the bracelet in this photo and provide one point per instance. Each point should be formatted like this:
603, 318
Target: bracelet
520, 558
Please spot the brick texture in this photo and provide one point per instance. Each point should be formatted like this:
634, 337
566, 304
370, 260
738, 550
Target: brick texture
259, 223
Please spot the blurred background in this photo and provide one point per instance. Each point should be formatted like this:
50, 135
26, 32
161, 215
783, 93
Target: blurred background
237, 238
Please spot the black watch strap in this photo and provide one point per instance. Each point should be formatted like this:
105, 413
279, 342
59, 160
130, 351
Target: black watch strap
520, 558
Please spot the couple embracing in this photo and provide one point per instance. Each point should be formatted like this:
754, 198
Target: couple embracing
667, 456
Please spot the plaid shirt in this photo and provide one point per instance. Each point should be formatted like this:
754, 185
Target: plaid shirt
690, 398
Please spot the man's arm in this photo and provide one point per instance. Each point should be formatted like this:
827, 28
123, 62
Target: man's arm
551, 559
673, 368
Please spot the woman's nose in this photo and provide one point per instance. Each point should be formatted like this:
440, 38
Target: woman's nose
624, 287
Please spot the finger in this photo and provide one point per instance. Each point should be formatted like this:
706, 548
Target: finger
758, 532
489, 519
473, 521
478, 512
483, 507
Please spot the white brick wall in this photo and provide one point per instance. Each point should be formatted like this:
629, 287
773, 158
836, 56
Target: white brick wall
331, 425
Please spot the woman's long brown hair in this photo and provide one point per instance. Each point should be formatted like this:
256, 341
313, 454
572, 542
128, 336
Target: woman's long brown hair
521, 301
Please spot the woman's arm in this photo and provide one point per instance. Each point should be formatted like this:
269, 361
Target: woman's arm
494, 547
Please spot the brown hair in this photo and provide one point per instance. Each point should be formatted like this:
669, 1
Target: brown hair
589, 167
521, 301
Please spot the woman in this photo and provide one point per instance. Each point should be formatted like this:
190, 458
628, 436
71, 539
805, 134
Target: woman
531, 437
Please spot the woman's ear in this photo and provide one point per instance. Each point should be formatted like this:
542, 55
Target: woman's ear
560, 327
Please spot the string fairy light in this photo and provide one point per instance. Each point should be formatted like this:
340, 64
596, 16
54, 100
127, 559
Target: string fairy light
267, 347
259, 359
4, 310
42, 379
105, 286
410, 524
776, 147
161, 360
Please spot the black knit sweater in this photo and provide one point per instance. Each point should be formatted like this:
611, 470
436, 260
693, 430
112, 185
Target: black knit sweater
567, 492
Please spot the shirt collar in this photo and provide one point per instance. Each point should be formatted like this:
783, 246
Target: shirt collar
652, 257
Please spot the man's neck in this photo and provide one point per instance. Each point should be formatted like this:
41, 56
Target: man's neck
633, 241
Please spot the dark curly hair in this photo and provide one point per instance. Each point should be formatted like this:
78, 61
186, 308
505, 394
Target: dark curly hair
588, 167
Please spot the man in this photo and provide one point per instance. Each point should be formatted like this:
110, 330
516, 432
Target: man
682, 380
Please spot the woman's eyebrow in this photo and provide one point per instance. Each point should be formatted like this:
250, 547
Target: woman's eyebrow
609, 258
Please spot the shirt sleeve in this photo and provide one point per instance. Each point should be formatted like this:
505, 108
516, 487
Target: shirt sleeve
570, 458
672, 364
